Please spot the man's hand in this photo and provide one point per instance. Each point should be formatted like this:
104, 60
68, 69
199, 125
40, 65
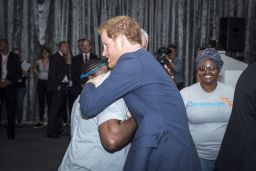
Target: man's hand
4, 83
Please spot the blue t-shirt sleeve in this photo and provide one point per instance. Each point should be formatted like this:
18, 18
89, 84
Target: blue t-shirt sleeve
122, 80
179, 64
117, 110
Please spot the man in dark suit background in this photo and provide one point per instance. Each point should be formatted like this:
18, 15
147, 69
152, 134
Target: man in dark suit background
85, 48
10, 74
57, 87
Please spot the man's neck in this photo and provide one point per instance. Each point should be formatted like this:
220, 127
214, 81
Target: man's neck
131, 48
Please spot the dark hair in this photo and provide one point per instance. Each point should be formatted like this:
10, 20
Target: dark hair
47, 49
5, 41
15, 49
201, 48
84, 40
61, 43
172, 46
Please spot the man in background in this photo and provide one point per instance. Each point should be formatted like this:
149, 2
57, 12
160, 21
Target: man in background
85, 48
57, 87
10, 74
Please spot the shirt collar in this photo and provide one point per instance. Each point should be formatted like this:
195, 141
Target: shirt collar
87, 54
60, 53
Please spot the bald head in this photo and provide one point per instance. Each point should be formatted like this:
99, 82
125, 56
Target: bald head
144, 38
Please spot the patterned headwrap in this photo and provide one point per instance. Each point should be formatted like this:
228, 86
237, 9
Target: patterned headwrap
209, 53
91, 67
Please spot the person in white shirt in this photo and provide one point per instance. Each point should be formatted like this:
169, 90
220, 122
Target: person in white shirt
98, 143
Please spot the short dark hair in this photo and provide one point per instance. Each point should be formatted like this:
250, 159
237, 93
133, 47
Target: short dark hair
5, 41
61, 43
84, 40
172, 46
45, 48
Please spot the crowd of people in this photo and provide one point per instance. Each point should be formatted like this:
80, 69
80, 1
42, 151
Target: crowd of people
132, 112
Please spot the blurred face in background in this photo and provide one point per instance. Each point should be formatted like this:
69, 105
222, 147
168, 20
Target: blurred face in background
172, 53
16, 51
84, 46
4, 47
64, 48
45, 53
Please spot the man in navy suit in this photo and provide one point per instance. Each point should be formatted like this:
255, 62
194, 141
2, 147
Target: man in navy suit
85, 48
162, 140
10, 73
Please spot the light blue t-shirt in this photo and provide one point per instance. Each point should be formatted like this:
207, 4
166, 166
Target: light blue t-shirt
208, 115
179, 71
85, 151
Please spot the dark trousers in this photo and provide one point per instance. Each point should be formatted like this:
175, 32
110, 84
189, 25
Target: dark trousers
66, 111
9, 95
21, 91
43, 98
58, 102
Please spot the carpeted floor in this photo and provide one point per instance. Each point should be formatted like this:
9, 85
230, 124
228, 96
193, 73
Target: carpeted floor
31, 150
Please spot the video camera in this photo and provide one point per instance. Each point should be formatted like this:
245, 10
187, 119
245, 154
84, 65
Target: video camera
163, 59
162, 55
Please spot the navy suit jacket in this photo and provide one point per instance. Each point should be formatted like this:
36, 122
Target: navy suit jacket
77, 62
162, 140
238, 148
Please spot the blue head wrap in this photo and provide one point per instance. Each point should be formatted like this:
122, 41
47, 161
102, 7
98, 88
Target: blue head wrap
91, 67
209, 53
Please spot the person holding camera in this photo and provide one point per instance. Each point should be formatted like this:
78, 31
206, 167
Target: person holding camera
163, 59
176, 65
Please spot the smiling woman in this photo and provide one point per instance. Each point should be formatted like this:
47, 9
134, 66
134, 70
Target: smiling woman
208, 104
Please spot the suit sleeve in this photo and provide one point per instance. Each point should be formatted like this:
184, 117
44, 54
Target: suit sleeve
75, 71
18, 71
124, 78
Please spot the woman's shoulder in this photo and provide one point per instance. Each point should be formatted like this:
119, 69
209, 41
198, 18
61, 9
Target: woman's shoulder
224, 86
190, 88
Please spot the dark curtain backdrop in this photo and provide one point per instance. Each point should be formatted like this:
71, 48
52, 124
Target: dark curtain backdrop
30, 24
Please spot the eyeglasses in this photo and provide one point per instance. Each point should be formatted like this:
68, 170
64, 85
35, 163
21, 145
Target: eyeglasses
208, 68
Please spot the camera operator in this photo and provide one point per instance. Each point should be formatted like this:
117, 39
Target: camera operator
176, 65
163, 59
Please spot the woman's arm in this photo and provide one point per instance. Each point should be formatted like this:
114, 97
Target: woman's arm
34, 69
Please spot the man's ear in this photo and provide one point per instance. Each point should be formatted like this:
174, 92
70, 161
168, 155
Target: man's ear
120, 41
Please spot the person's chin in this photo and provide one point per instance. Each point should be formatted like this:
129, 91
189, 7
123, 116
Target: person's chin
110, 65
